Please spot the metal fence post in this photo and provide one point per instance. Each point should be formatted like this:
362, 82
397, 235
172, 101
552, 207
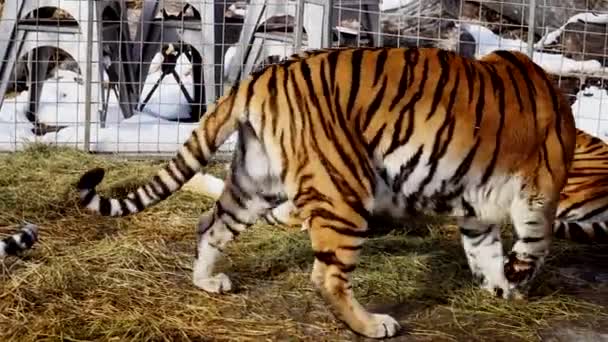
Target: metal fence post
88, 76
299, 25
329, 24
531, 27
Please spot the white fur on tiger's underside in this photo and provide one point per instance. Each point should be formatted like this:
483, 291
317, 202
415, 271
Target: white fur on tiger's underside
20, 241
205, 184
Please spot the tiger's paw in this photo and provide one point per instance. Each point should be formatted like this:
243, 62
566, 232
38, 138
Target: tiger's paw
219, 283
504, 291
381, 326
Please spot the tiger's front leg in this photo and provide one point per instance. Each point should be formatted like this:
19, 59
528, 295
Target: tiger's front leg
483, 248
337, 247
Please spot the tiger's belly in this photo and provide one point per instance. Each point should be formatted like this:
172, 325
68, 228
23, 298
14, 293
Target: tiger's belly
426, 192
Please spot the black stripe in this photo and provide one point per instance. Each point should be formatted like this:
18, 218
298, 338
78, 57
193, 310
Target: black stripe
444, 78
373, 144
577, 233
529, 239
395, 142
380, 64
330, 258
350, 248
553, 95
525, 74
481, 102
466, 163
137, 201
594, 212
221, 211
406, 169
173, 176
273, 100
440, 147
347, 227
26, 238
332, 58
104, 206
468, 71
150, 195
469, 211
403, 81
474, 233
560, 230
11, 246
183, 168
288, 80
88, 197
515, 86
498, 87
326, 85
412, 56
123, 207
579, 204
361, 163
356, 59
373, 107
164, 189
600, 234
196, 150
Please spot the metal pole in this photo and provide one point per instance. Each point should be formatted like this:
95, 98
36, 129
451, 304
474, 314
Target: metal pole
88, 77
531, 27
299, 25
329, 24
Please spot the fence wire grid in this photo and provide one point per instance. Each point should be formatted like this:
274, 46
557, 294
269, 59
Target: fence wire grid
134, 77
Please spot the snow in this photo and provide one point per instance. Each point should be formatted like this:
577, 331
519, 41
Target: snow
553, 63
591, 107
591, 111
587, 17
62, 103
387, 5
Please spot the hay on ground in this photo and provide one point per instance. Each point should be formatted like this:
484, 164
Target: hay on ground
129, 279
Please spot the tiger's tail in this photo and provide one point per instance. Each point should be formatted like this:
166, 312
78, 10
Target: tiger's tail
21, 241
217, 124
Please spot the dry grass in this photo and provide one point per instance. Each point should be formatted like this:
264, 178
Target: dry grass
128, 279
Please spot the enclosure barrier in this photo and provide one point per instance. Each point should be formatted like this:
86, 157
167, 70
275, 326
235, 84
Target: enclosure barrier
134, 77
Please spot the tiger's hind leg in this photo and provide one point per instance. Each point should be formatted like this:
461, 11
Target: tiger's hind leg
483, 249
337, 237
532, 217
250, 190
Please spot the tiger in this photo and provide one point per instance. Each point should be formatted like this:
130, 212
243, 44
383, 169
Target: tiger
20, 241
345, 134
582, 212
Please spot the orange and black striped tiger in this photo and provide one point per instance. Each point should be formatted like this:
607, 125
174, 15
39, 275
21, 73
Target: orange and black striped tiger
346, 134
582, 213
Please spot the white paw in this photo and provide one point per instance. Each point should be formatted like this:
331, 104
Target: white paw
219, 283
382, 326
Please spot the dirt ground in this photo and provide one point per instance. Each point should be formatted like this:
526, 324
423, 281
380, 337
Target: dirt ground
129, 279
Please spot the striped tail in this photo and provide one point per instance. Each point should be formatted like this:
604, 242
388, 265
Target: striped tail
215, 127
19, 242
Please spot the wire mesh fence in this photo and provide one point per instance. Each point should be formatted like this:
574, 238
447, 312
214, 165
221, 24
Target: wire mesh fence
134, 77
